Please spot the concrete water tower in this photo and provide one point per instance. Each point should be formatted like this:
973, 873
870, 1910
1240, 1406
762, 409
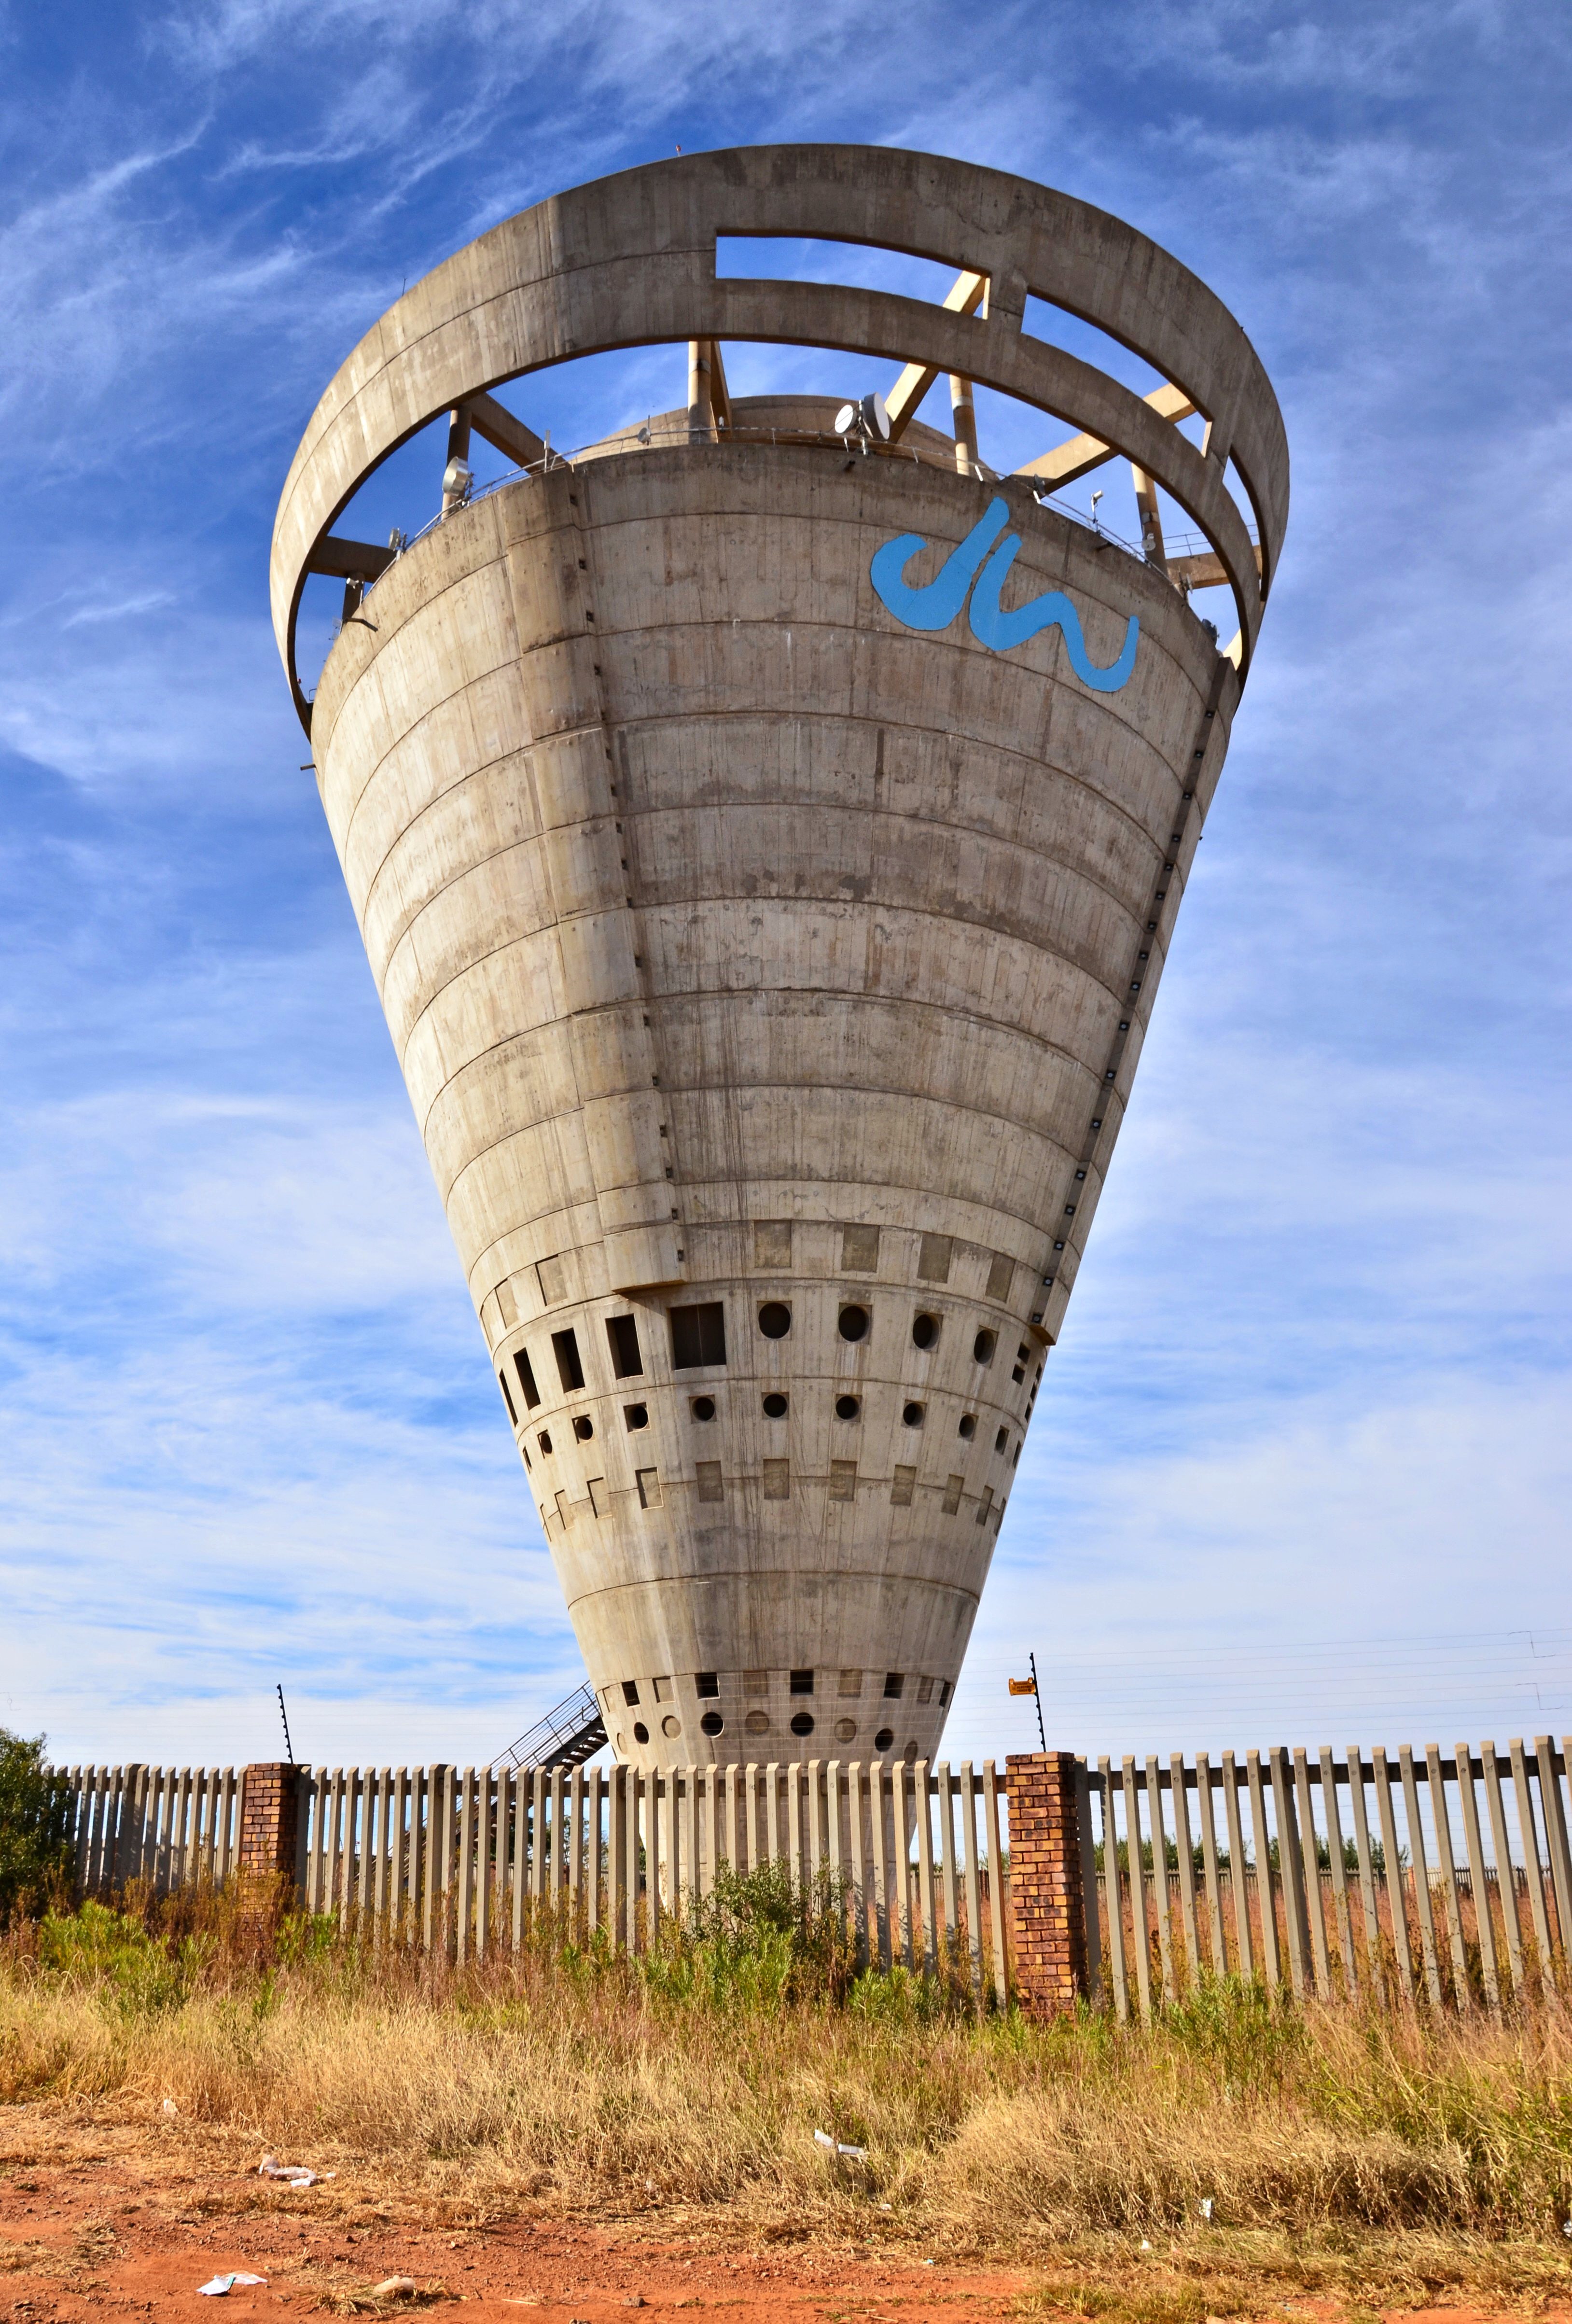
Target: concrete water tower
767, 828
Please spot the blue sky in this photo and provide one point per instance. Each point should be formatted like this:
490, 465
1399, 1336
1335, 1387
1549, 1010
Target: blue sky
1301, 1469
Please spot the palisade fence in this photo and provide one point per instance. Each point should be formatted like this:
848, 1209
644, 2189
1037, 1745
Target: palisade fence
1338, 1876
1404, 1878
435, 1857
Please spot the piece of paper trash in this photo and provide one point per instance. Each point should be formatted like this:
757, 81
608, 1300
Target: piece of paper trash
835, 2146
294, 2174
394, 2287
1144, 2245
169, 2107
1206, 2208
223, 2284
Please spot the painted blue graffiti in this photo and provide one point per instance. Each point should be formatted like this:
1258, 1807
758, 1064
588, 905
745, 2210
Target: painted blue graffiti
935, 605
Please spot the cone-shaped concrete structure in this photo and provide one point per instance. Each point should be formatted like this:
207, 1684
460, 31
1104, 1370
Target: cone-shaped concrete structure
767, 843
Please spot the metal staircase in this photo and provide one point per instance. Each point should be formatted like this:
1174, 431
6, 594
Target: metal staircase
566, 1738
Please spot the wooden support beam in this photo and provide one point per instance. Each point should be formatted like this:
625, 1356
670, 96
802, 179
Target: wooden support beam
719, 398
701, 392
966, 296
1151, 518
348, 560
496, 426
1081, 454
1204, 572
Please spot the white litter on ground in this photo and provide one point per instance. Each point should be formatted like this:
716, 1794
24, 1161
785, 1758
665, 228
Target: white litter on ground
224, 2283
294, 2174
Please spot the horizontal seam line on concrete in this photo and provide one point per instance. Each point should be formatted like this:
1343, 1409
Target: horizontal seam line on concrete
953, 1013
951, 1105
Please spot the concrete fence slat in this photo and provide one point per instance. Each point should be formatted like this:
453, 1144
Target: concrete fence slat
1506, 1883
1419, 1857
1266, 1880
927, 1904
881, 1934
1140, 1922
1113, 1890
1091, 1927
594, 1849
1446, 1855
997, 1891
1309, 1857
1205, 1809
1555, 1808
971, 1879
1291, 1856
630, 1858
1393, 1880
1342, 1910
1375, 1969
1161, 1894
1238, 1889
1528, 1829
575, 1852
1179, 1781
464, 1926
945, 1803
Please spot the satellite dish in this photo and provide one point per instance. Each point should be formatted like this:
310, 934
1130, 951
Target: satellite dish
847, 417
876, 417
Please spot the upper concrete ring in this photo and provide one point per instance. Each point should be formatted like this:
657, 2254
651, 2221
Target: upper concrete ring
629, 261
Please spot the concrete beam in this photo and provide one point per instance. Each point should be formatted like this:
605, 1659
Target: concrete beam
349, 560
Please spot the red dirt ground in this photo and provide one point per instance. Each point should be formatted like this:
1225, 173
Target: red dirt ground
87, 2231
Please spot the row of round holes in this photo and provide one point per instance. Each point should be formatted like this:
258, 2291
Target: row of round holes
775, 1321
712, 1724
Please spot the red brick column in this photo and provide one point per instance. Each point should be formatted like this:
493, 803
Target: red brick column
1047, 1913
268, 1819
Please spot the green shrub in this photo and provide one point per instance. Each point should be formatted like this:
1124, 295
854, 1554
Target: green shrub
35, 1854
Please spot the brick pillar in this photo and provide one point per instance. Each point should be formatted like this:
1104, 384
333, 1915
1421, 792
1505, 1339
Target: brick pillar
1047, 1913
269, 1820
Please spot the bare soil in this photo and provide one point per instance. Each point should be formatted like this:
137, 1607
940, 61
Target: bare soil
107, 2218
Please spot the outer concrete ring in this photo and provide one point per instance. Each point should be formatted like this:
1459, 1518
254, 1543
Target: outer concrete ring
629, 261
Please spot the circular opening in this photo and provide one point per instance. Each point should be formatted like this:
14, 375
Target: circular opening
926, 1332
637, 1415
909, 1754
583, 1428
775, 1407
884, 1738
911, 1414
853, 1322
847, 1407
621, 1746
757, 1723
711, 1722
640, 1732
803, 1724
982, 1347
775, 1319
846, 1731
969, 1424
703, 1407
671, 1726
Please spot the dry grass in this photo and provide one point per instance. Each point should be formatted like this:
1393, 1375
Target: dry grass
1384, 2160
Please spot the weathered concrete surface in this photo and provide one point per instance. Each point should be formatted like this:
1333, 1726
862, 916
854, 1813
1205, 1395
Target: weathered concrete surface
745, 950
713, 914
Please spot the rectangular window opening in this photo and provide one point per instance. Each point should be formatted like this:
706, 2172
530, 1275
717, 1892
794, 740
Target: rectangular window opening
945, 1692
648, 1483
952, 1485
507, 1398
756, 1686
570, 1371
698, 1335
802, 1682
893, 1685
708, 1476
925, 1689
708, 1684
772, 1242
631, 1693
851, 1681
777, 1481
933, 1256
843, 1480
900, 1492
526, 1371
622, 1332
859, 1251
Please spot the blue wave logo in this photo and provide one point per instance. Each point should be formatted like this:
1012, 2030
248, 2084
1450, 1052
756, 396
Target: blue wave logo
977, 559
